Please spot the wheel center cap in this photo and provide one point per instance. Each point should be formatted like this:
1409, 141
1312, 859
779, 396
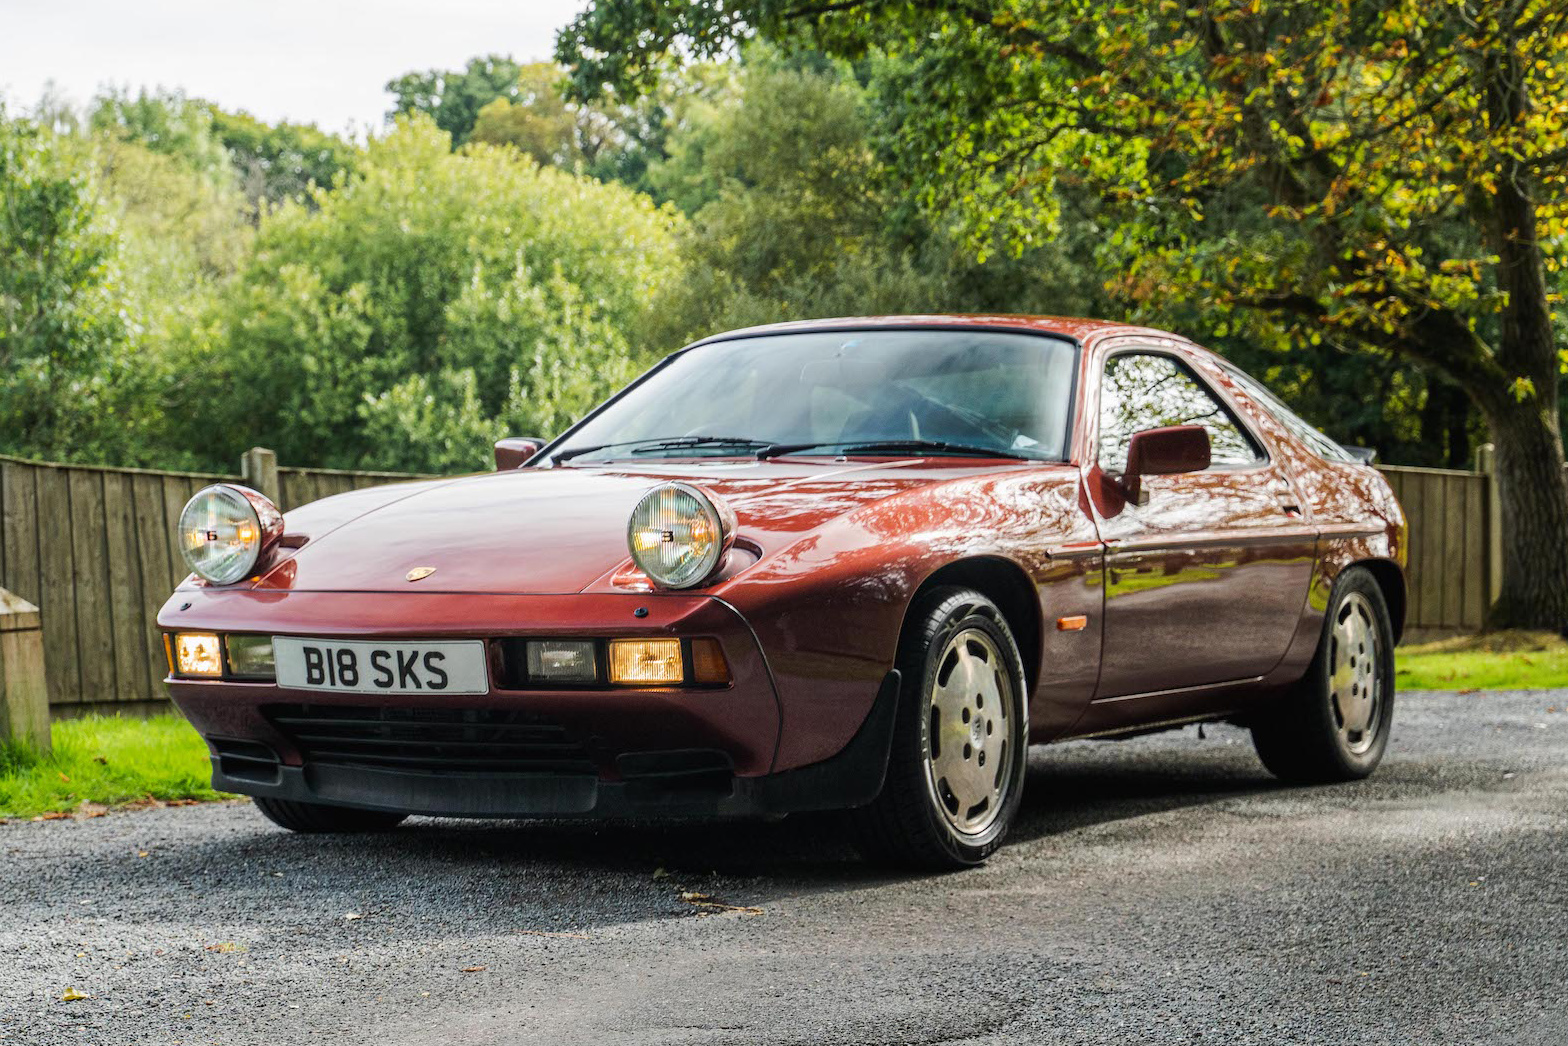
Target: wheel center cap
977, 732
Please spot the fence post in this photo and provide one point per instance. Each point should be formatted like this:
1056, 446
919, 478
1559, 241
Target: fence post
259, 466
1486, 462
24, 697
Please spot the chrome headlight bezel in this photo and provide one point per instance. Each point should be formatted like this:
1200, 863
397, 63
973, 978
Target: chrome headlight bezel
701, 514
250, 524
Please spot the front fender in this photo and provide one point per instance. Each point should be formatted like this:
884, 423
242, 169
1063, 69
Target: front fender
829, 608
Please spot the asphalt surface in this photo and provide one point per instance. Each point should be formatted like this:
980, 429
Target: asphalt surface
1161, 890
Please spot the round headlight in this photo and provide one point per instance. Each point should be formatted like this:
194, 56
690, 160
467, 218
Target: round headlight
224, 529
679, 534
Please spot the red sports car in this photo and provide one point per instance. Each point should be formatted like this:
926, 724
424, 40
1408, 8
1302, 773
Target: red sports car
852, 564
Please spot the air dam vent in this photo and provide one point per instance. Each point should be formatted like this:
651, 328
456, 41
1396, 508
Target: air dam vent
431, 740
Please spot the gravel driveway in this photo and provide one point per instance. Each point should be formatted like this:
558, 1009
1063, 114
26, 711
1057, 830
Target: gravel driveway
1156, 891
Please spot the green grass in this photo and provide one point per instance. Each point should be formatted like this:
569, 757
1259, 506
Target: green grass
1489, 661
104, 761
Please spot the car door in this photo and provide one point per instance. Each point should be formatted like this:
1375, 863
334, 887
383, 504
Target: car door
1205, 580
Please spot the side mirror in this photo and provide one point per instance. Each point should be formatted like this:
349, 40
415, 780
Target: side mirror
1163, 452
513, 451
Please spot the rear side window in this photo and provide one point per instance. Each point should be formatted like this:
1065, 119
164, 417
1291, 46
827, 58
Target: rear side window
1151, 391
1299, 427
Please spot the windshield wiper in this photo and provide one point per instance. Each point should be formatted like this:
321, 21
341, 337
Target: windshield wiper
657, 443
892, 446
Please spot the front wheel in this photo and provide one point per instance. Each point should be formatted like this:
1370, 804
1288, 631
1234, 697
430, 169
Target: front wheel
1334, 724
955, 774
318, 817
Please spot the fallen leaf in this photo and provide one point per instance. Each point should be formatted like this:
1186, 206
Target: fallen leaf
350, 916
141, 853
72, 995
67, 780
53, 815
473, 969
226, 947
87, 809
707, 903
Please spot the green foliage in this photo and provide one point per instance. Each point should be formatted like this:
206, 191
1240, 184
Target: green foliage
458, 294
63, 340
167, 123
792, 216
453, 98
106, 760
540, 123
282, 161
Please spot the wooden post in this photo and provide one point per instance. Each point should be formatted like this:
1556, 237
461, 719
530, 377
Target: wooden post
259, 466
1485, 462
24, 695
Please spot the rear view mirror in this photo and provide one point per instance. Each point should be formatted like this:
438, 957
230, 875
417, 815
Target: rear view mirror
513, 451
1164, 452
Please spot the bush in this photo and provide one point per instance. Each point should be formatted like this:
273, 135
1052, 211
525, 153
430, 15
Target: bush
458, 294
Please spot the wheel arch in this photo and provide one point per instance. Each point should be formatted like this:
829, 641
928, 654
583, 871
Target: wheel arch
1391, 580
1007, 585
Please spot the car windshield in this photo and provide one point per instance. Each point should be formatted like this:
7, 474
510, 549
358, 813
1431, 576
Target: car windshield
963, 391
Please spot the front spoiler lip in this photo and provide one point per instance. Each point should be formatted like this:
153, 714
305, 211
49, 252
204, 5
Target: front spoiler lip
851, 778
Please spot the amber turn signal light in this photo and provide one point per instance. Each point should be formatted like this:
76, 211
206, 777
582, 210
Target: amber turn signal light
708, 665
646, 662
198, 654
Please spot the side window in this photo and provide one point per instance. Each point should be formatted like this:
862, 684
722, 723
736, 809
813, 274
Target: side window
1146, 391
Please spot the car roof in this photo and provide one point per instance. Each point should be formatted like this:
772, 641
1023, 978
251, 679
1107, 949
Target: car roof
1082, 331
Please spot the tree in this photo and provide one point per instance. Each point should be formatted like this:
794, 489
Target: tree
281, 161
453, 99
539, 123
63, 340
165, 122
1387, 175
428, 297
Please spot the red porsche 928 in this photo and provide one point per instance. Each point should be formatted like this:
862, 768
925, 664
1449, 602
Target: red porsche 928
854, 564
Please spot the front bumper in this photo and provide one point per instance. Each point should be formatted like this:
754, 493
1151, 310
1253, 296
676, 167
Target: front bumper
610, 753
670, 783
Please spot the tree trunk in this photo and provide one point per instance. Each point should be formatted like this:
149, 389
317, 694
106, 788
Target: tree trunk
1524, 419
1534, 494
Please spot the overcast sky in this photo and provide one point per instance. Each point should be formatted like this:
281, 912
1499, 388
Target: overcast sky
315, 61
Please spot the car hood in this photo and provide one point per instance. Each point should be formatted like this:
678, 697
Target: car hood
559, 530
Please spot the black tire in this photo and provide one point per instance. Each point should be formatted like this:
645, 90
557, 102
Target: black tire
907, 824
318, 817
1310, 738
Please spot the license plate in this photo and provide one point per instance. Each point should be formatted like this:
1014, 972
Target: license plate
364, 666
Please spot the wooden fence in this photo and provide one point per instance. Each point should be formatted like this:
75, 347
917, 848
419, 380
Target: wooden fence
1454, 569
94, 549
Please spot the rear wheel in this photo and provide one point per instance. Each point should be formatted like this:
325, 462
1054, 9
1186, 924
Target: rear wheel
1334, 725
318, 817
955, 774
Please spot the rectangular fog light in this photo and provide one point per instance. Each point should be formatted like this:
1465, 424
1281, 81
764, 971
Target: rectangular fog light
562, 661
644, 662
250, 657
198, 654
